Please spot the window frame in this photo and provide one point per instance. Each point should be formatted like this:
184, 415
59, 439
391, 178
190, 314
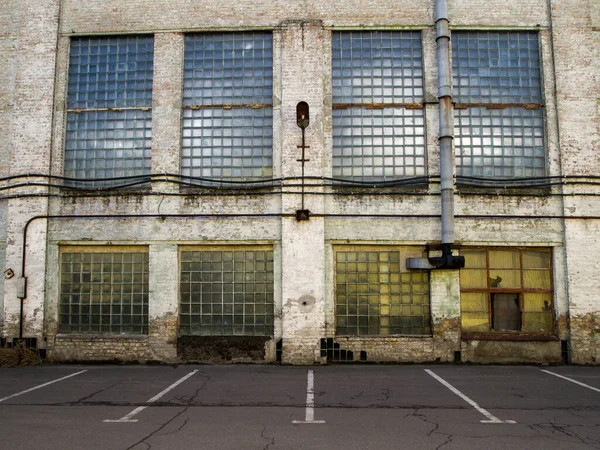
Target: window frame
492, 334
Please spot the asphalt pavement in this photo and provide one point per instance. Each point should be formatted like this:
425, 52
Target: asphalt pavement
269, 407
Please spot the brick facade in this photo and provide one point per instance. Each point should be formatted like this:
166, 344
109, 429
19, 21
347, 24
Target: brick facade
34, 64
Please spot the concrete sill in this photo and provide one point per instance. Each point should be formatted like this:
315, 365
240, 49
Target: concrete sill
507, 337
106, 337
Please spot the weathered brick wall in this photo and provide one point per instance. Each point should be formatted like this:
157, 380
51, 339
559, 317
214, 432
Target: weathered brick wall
32, 98
100, 348
577, 60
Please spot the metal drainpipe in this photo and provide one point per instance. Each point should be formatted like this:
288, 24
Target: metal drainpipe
446, 124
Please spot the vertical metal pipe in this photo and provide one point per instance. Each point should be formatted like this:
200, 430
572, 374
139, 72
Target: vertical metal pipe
446, 124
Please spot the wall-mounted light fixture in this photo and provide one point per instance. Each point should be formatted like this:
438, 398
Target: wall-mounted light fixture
8, 273
302, 120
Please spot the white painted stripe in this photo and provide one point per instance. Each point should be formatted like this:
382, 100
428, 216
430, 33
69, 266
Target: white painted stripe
572, 380
491, 417
41, 386
310, 401
139, 409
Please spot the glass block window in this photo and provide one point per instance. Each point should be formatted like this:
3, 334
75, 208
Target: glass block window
227, 97
378, 120
507, 291
500, 142
499, 120
108, 108
227, 292
375, 296
104, 292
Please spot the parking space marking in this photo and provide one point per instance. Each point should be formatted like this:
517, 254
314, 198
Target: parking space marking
128, 418
310, 401
491, 417
572, 380
41, 386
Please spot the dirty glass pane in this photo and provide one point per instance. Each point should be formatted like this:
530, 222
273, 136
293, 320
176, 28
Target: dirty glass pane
383, 68
538, 316
474, 302
374, 298
537, 279
533, 259
504, 259
473, 278
474, 259
110, 295
505, 278
226, 293
475, 321
228, 82
113, 72
379, 144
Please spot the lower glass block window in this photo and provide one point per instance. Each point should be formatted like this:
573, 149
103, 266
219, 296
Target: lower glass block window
104, 291
227, 292
507, 291
376, 295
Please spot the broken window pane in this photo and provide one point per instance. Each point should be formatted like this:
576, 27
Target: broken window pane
506, 312
503, 297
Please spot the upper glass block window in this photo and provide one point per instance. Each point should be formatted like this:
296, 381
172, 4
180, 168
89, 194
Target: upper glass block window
378, 120
109, 100
496, 67
110, 72
227, 97
498, 118
377, 67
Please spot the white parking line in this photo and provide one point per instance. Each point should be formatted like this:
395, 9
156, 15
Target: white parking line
310, 401
491, 417
41, 386
139, 409
572, 380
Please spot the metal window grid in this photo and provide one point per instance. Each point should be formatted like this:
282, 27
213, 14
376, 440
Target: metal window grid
226, 293
500, 142
377, 82
373, 296
104, 293
108, 108
227, 97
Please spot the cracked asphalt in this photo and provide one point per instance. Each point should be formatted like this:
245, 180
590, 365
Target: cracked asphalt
253, 407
